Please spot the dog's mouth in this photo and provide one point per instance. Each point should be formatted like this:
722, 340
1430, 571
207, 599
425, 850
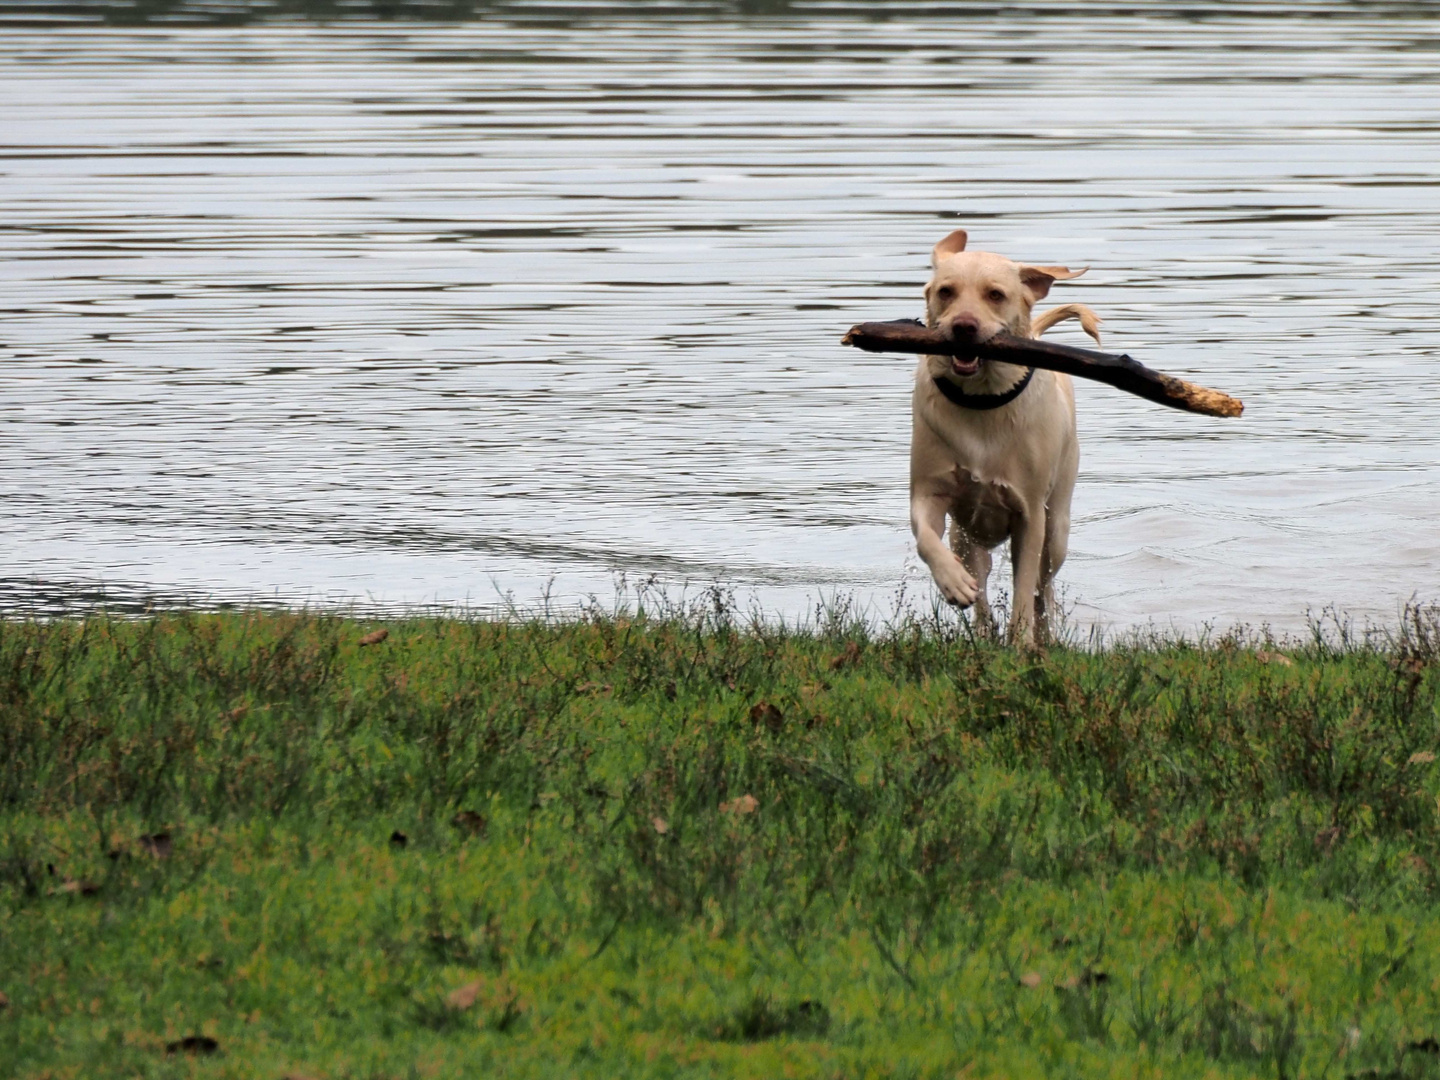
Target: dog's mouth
965, 367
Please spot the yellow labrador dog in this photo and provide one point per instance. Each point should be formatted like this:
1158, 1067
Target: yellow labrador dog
993, 445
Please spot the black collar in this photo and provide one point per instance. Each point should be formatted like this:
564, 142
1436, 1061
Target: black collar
983, 401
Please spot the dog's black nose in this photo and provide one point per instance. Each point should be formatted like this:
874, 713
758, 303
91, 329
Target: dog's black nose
964, 328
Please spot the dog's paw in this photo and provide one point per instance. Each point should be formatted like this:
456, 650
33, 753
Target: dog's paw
956, 584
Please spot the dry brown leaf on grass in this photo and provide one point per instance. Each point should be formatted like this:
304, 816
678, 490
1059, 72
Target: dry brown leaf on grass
661, 825
193, 1044
462, 997
84, 888
1421, 757
469, 821
374, 637
743, 804
762, 712
159, 844
1031, 979
4, 1000
499, 1000
1086, 978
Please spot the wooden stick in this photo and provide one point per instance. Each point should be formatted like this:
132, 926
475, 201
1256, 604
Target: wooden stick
1113, 369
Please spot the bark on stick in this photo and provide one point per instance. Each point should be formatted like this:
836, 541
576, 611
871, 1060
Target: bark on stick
1113, 369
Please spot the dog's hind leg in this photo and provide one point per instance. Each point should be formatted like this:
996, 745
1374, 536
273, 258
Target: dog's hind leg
1027, 546
1052, 556
1045, 596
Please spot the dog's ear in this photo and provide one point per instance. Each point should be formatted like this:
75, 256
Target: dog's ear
949, 246
1038, 279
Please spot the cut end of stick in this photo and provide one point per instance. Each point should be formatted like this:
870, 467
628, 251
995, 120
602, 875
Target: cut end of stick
1202, 399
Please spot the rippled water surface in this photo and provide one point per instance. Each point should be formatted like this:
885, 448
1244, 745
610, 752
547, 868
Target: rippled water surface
404, 314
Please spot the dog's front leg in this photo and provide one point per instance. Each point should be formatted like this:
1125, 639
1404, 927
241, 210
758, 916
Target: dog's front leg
1027, 545
976, 558
927, 522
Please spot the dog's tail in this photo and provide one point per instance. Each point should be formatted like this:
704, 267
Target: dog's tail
1089, 321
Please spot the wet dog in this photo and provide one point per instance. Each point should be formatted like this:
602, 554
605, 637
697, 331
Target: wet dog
993, 445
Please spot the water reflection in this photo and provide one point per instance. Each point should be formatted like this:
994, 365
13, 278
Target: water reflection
418, 313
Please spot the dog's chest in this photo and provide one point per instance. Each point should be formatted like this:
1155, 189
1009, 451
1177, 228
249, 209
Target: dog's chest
985, 509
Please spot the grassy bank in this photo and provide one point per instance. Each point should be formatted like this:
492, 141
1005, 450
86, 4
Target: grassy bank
251, 845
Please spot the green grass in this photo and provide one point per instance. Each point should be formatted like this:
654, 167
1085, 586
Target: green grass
673, 845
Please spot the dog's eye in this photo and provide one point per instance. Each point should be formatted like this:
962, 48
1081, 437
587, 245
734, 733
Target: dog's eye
996, 296
945, 294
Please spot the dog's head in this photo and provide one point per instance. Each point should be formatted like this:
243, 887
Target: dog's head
974, 295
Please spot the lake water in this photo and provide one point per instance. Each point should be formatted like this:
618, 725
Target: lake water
397, 314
